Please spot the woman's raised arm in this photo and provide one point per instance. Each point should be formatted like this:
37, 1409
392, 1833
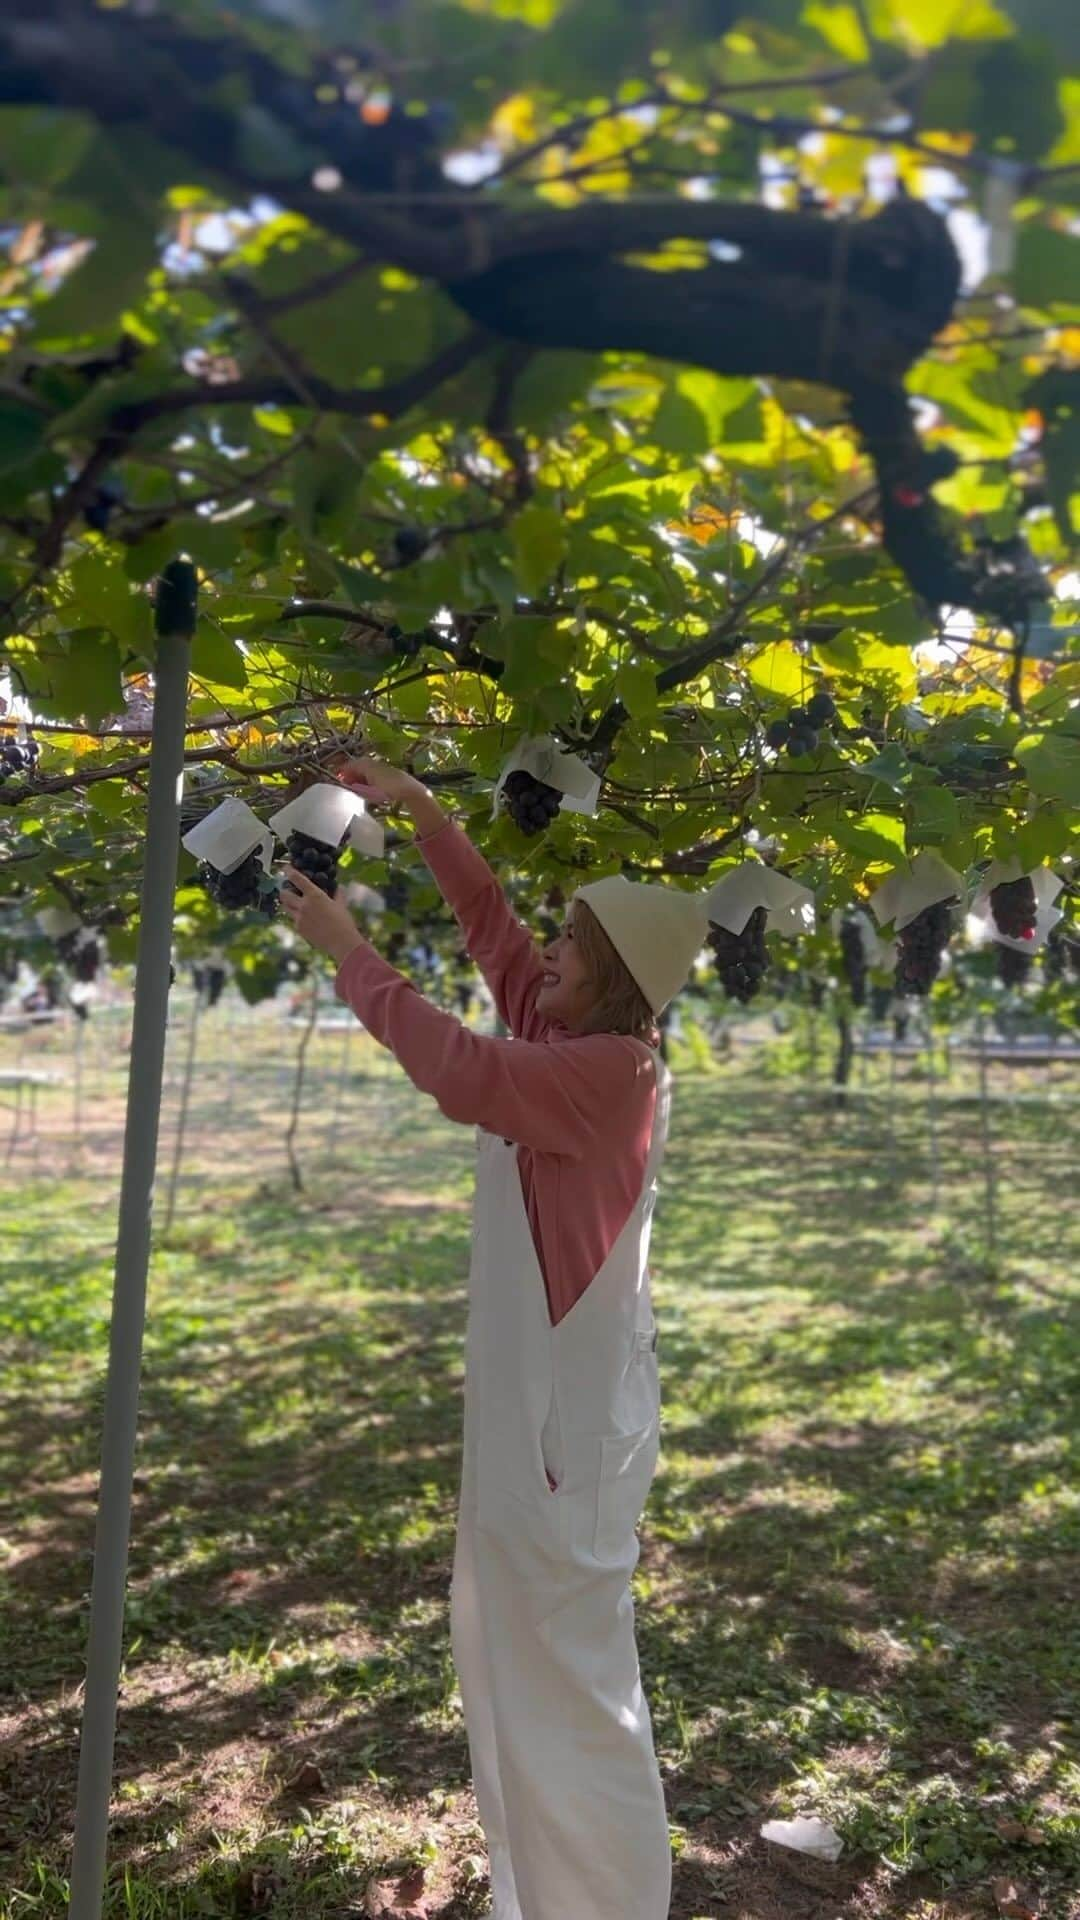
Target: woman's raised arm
502, 948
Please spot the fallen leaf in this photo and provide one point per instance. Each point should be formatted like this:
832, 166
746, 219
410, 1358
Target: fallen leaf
411, 1886
1016, 1830
307, 1779
1012, 1901
400, 1899
254, 1890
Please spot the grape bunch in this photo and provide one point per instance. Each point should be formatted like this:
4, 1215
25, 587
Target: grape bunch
1013, 967
922, 943
315, 859
1012, 903
800, 730
742, 960
17, 756
1055, 955
880, 1002
86, 961
1059, 955
209, 980
395, 894
80, 950
240, 889
532, 804
853, 954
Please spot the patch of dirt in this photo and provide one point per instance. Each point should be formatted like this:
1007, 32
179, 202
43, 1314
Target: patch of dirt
745, 1878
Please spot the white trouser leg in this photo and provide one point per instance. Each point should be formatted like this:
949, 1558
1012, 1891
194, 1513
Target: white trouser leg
580, 1800
470, 1659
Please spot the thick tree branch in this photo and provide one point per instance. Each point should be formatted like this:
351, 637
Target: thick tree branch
393, 399
848, 304
860, 310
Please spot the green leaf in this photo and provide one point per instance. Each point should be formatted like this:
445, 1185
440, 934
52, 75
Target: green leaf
266, 147
661, 492
1043, 838
1005, 92
890, 669
83, 681
874, 836
990, 424
111, 798
1057, 396
274, 420
551, 385
555, 704
144, 560
635, 684
538, 537
217, 658
524, 643
104, 597
1052, 762
1047, 271
778, 670
21, 432
933, 815
367, 328
325, 480
900, 624
112, 278
889, 768
692, 415
41, 146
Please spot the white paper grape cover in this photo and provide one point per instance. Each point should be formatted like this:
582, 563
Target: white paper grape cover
569, 775
1046, 885
225, 837
55, 922
908, 890
325, 812
805, 1834
739, 892
368, 835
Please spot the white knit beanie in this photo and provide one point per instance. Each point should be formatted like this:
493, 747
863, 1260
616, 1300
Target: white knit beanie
657, 932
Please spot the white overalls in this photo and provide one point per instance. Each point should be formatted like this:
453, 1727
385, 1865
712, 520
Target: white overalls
542, 1618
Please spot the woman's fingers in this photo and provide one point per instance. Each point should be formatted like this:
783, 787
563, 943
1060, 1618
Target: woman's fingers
293, 893
356, 783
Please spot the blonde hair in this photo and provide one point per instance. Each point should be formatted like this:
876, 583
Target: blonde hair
620, 1005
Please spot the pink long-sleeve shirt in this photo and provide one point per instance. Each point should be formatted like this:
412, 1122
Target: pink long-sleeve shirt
580, 1107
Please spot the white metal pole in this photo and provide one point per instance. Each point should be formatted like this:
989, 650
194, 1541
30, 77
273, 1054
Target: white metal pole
181, 1118
105, 1645
932, 1117
987, 1149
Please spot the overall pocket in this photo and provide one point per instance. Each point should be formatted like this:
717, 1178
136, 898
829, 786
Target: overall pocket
627, 1464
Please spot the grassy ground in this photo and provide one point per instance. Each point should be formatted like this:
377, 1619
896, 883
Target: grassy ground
861, 1560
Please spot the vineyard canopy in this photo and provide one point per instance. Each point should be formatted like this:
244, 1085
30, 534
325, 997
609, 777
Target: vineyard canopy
511, 368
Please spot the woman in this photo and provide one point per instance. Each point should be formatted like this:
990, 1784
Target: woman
562, 1396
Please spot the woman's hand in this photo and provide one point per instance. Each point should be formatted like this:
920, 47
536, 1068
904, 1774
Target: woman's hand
380, 784
325, 923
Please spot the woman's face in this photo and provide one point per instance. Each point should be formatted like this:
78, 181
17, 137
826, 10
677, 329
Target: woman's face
567, 994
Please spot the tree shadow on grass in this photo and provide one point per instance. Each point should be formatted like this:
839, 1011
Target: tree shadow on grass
846, 1562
